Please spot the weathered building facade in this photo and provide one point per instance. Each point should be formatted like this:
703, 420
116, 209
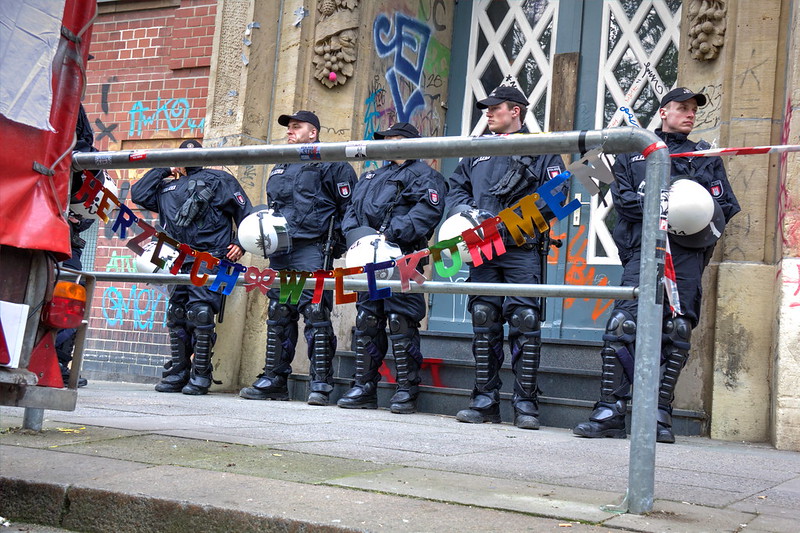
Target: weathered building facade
167, 70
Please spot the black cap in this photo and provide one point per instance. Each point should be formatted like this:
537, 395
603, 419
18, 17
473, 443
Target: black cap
191, 143
403, 129
302, 116
681, 94
503, 94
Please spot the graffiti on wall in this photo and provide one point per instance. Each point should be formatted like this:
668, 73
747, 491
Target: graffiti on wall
139, 306
413, 67
171, 115
578, 271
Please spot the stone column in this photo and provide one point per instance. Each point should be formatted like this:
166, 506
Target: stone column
242, 66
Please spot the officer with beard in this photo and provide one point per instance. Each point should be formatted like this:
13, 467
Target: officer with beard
312, 197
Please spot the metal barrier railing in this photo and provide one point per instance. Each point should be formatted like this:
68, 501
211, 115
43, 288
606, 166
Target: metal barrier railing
641, 470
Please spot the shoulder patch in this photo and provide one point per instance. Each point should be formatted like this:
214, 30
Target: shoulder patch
344, 189
276, 171
553, 171
433, 196
638, 157
716, 189
169, 188
369, 175
239, 197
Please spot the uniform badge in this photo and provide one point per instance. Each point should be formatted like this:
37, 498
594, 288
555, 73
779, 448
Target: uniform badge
169, 188
344, 189
433, 196
481, 158
369, 175
277, 171
639, 157
553, 171
716, 188
239, 198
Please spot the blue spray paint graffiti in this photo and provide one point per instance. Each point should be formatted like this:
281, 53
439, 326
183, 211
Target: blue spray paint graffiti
173, 112
409, 45
140, 306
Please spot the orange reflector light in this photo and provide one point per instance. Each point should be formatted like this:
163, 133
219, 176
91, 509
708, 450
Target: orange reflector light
67, 307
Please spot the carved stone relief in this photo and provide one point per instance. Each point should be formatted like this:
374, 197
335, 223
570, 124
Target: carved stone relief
335, 41
706, 28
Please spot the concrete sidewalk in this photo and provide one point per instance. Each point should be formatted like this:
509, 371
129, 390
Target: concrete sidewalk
131, 459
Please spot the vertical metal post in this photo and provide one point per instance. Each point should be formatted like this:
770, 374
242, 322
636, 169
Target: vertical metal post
32, 419
641, 470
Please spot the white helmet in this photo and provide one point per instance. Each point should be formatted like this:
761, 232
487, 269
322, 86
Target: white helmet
264, 233
79, 209
465, 218
691, 207
372, 248
144, 263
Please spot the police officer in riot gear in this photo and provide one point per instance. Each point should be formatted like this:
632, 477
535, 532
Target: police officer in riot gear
197, 207
690, 255
493, 184
312, 197
404, 201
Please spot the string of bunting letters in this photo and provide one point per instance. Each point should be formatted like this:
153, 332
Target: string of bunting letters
483, 242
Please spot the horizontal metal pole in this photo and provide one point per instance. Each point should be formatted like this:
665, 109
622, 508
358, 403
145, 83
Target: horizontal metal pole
612, 140
430, 287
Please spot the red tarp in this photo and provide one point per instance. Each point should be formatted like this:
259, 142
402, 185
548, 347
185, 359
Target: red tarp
33, 205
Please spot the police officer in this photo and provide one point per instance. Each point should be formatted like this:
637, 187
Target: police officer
403, 201
493, 184
197, 207
312, 197
690, 255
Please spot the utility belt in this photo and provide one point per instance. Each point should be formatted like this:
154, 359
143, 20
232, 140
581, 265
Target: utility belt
302, 243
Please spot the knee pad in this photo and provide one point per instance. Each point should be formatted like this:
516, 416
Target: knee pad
678, 332
278, 314
621, 327
368, 323
485, 316
400, 325
317, 315
525, 319
176, 315
201, 315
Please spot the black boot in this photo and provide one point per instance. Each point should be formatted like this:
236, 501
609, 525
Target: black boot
177, 368
608, 417
607, 420
404, 335
271, 384
200, 378
321, 349
525, 364
676, 341
371, 346
201, 316
487, 348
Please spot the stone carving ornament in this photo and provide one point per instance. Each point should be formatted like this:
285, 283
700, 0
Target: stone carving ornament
706, 28
335, 41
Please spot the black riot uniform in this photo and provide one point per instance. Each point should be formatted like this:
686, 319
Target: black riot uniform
312, 197
404, 202
199, 210
608, 417
477, 183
